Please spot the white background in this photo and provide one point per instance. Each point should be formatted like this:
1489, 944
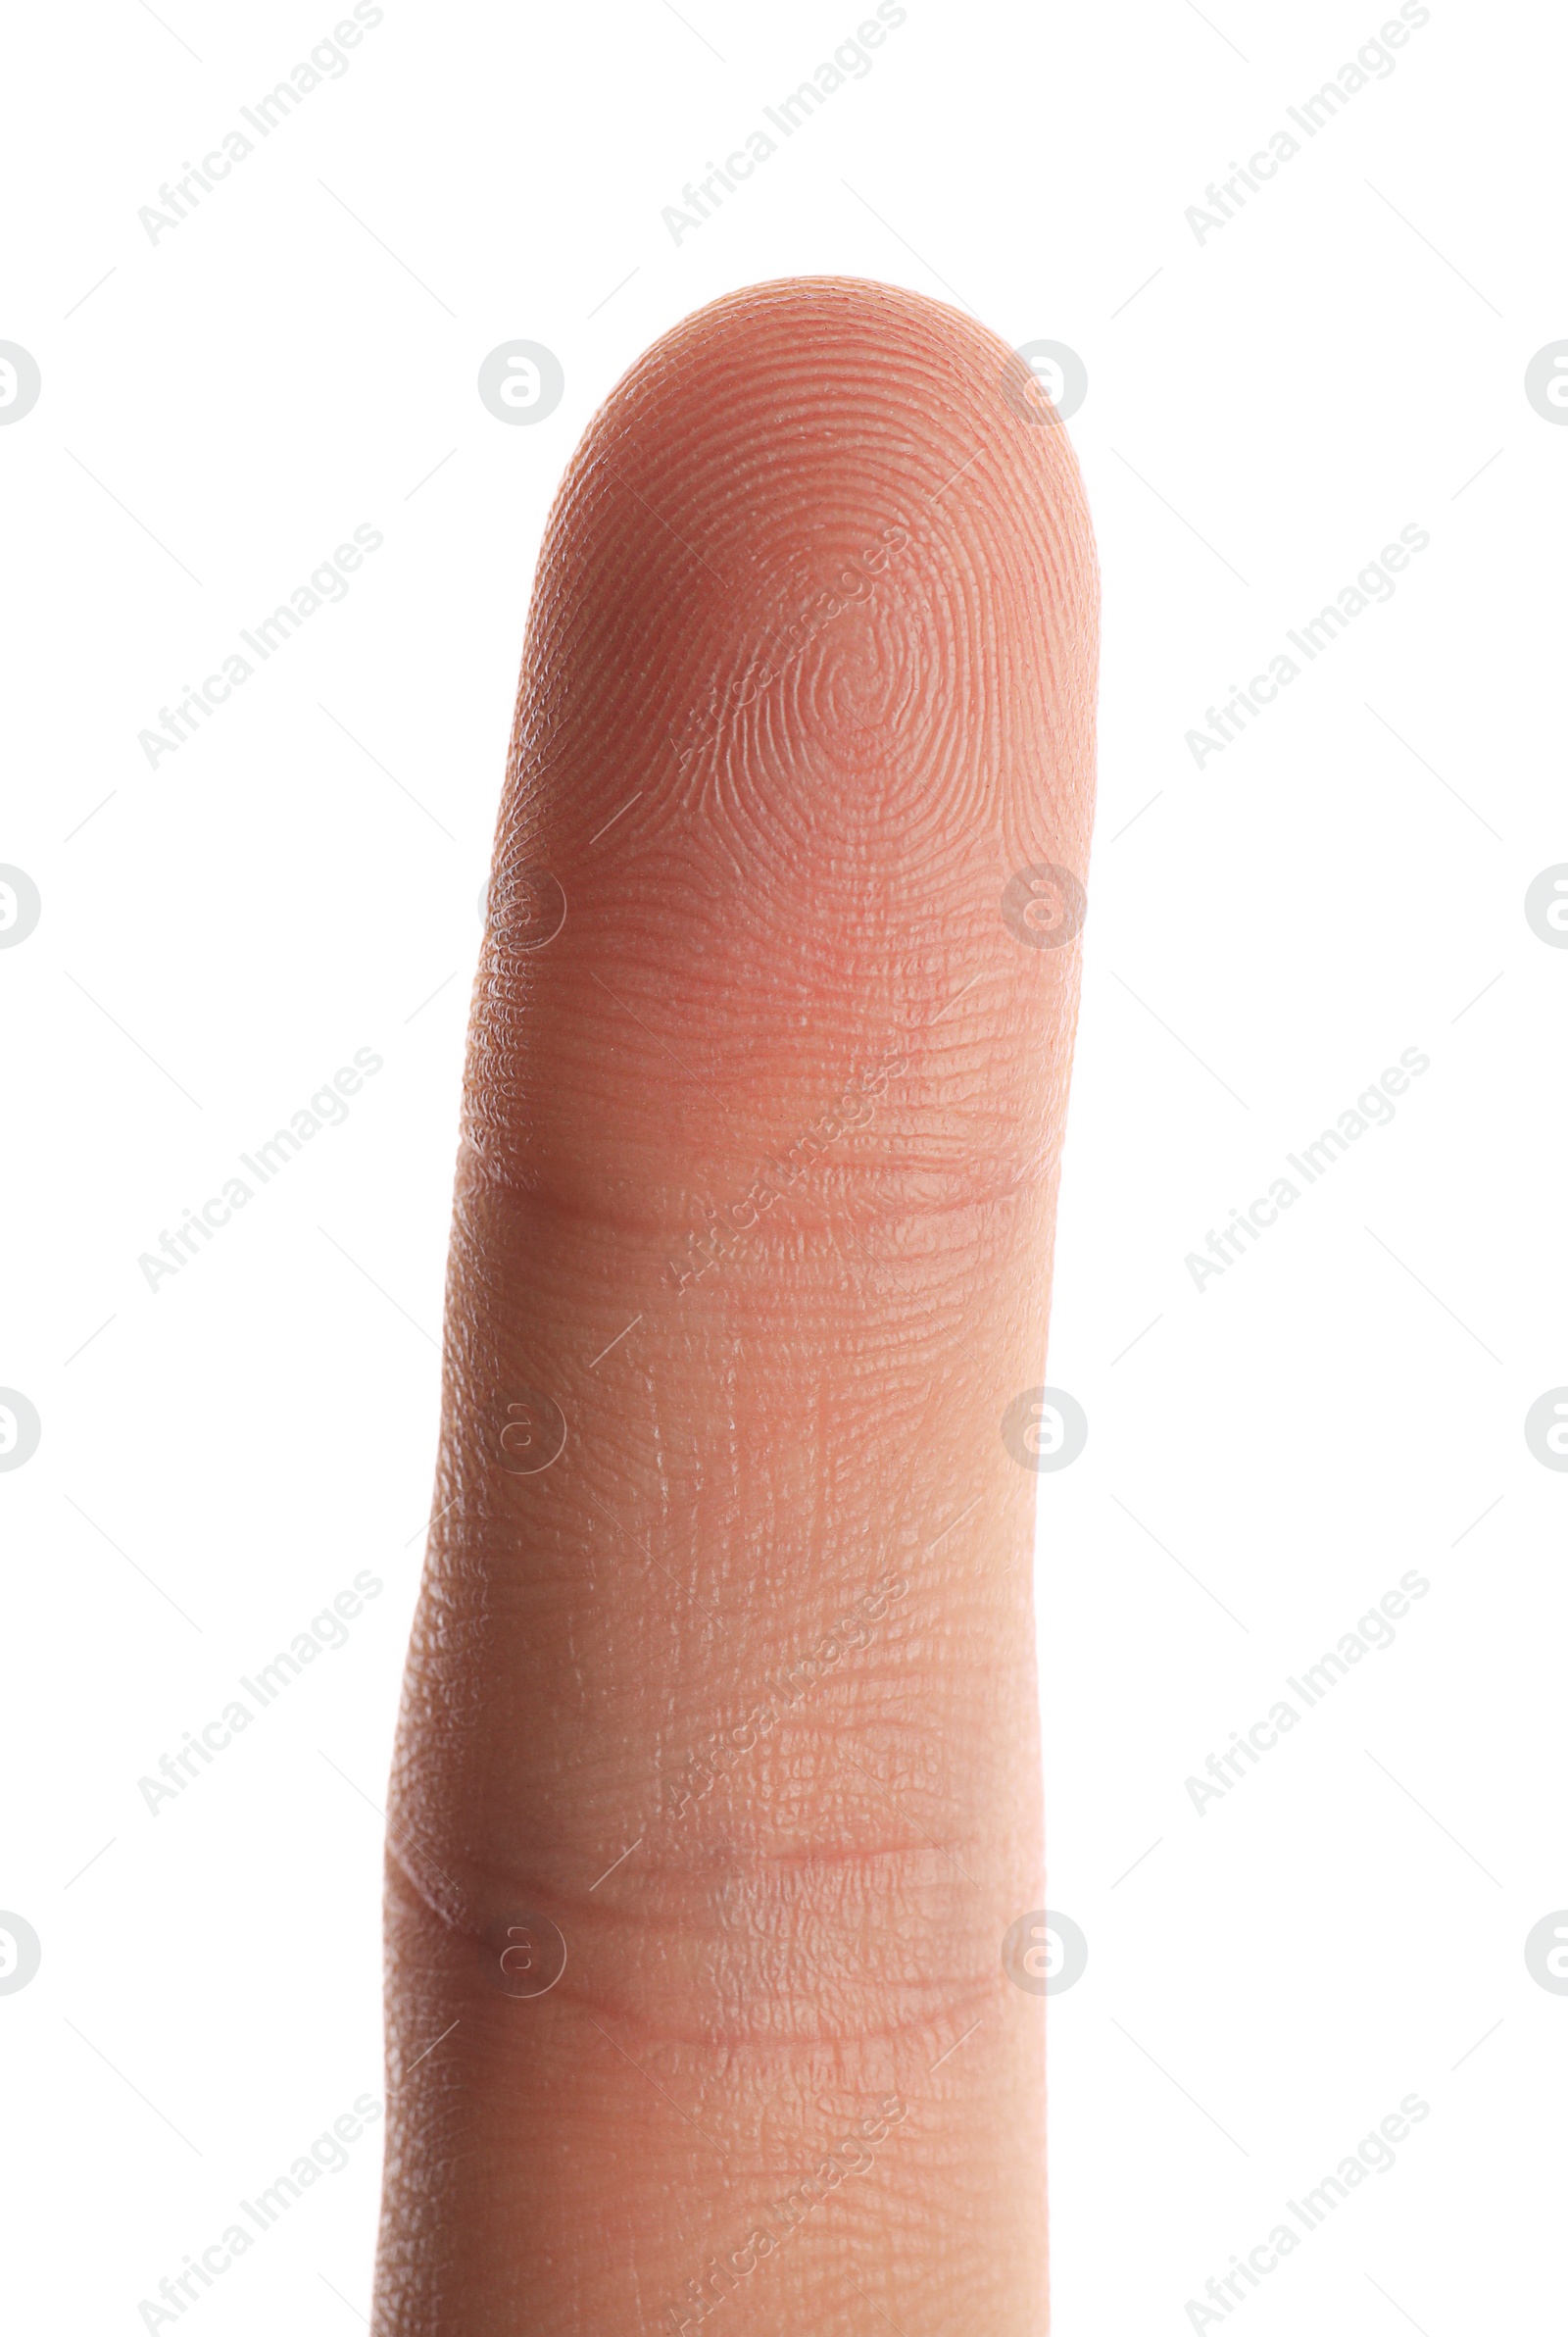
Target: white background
219, 934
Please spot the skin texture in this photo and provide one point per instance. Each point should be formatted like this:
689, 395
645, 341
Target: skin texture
758, 1066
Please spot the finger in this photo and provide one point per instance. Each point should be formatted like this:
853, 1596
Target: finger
722, 1687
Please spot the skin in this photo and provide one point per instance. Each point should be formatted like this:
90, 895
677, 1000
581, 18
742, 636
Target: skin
791, 935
